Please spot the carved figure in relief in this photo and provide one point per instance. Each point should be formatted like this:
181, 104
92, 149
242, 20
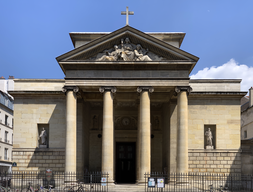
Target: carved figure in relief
113, 56
127, 52
43, 136
141, 54
209, 137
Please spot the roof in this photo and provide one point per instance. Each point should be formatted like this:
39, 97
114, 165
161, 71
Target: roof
244, 103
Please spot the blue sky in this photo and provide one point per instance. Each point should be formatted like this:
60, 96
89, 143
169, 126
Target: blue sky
33, 33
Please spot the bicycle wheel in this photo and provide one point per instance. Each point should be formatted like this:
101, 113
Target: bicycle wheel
68, 189
26, 190
80, 189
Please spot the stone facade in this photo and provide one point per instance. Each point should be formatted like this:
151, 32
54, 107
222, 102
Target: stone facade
144, 115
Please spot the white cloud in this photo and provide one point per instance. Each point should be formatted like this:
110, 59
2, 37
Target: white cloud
229, 70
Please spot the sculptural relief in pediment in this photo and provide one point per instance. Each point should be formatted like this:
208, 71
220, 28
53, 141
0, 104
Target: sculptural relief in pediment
127, 51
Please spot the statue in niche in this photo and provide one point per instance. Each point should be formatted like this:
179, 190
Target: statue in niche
141, 54
43, 137
95, 122
209, 137
127, 50
113, 56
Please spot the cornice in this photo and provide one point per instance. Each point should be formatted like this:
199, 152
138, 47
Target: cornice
40, 80
209, 93
6, 125
16, 93
215, 80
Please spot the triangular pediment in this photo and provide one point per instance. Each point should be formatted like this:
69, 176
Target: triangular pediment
153, 48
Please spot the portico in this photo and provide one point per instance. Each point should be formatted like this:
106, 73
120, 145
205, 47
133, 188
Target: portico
142, 134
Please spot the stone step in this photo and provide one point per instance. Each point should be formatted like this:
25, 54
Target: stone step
126, 188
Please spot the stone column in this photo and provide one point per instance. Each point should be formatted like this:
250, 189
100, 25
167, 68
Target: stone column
71, 108
108, 132
144, 133
182, 129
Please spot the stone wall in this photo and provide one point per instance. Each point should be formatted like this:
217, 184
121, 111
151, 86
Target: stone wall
223, 113
39, 159
214, 161
39, 109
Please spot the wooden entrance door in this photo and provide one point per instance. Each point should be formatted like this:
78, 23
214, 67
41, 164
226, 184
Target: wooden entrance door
125, 163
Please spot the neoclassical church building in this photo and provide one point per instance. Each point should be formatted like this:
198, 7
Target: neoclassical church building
127, 106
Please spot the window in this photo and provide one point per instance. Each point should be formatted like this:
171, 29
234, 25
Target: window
6, 120
6, 136
5, 154
245, 134
12, 138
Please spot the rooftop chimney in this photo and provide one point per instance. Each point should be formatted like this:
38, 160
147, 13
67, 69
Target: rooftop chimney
11, 77
2, 77
250, 97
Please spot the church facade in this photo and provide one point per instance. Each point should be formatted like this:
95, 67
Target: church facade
127, 106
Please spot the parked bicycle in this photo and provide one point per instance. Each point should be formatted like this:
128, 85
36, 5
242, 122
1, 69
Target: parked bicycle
43, 189
211, 188
3, 189
76, 188
29, 188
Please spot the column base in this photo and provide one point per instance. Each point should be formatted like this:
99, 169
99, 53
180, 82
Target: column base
140, 182
111, 182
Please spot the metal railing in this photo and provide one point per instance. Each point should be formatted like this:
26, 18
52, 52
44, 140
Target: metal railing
196, 182
60, 181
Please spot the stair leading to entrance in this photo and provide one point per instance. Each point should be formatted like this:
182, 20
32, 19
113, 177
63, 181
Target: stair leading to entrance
126, 188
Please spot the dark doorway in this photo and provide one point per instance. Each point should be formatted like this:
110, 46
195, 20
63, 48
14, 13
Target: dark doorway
125, 163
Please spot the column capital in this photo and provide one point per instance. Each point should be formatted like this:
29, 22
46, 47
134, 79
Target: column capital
111, 89
145, 88
178, 89
75, 89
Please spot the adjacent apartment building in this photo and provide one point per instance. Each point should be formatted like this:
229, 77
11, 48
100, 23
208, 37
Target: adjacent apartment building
247, 116
6, 124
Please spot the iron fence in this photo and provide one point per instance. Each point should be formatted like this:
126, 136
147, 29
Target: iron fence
197, 182
58, 181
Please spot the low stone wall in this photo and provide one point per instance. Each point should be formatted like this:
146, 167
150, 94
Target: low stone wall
39, 159
214, 161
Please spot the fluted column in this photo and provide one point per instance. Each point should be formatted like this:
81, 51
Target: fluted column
182, 129
144, 133
108, 132
71, 108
